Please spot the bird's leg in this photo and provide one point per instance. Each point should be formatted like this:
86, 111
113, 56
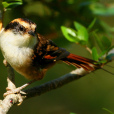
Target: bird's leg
17, 91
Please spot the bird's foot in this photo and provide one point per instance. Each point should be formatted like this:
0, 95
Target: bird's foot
16, 91
13, 90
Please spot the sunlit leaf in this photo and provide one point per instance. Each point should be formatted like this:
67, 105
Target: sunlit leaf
5, 4
82, 33
95, 54
70, 34
8, 4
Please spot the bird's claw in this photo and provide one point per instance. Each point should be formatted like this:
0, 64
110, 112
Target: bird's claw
15, 91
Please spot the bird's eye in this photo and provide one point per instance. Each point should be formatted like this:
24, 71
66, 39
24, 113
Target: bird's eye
21, 28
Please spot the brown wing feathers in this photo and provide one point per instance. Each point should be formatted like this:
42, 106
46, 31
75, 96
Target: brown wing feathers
78, 61
47, 52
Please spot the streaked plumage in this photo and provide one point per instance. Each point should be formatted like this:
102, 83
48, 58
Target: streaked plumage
30, 54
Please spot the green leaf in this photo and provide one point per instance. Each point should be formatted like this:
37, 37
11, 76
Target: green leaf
91, 24
111, 48
95, 54
82, 33
110, 112
106, 51
102, 61
103, 53
70, 34
5, 4
101, 9
8, 4
79, 36
99, 42
105, 42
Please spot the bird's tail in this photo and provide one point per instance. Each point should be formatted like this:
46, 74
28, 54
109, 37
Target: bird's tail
81, 62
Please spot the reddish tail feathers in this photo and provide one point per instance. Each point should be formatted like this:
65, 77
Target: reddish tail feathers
81, 62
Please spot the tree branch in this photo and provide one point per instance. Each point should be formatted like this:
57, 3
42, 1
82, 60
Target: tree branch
7, 103
56, 83
11, 99
59, 82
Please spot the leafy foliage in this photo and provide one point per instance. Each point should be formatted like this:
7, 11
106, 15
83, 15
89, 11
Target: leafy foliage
82, 36
8, 4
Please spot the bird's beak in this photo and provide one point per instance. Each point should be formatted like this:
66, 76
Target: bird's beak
31, 33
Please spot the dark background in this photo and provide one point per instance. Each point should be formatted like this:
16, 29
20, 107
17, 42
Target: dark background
88, 95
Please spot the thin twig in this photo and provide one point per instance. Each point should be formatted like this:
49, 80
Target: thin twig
88, 49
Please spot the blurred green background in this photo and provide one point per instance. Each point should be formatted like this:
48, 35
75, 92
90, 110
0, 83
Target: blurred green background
88, 95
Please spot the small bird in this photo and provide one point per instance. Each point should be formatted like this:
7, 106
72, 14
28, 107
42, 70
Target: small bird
31, 55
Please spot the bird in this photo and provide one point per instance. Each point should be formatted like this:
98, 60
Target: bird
31, 54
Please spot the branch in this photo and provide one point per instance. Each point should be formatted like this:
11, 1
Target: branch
59, 82
7, 103
56, 83
11, 99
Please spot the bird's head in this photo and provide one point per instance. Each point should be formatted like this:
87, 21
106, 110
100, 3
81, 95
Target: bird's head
21, 32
